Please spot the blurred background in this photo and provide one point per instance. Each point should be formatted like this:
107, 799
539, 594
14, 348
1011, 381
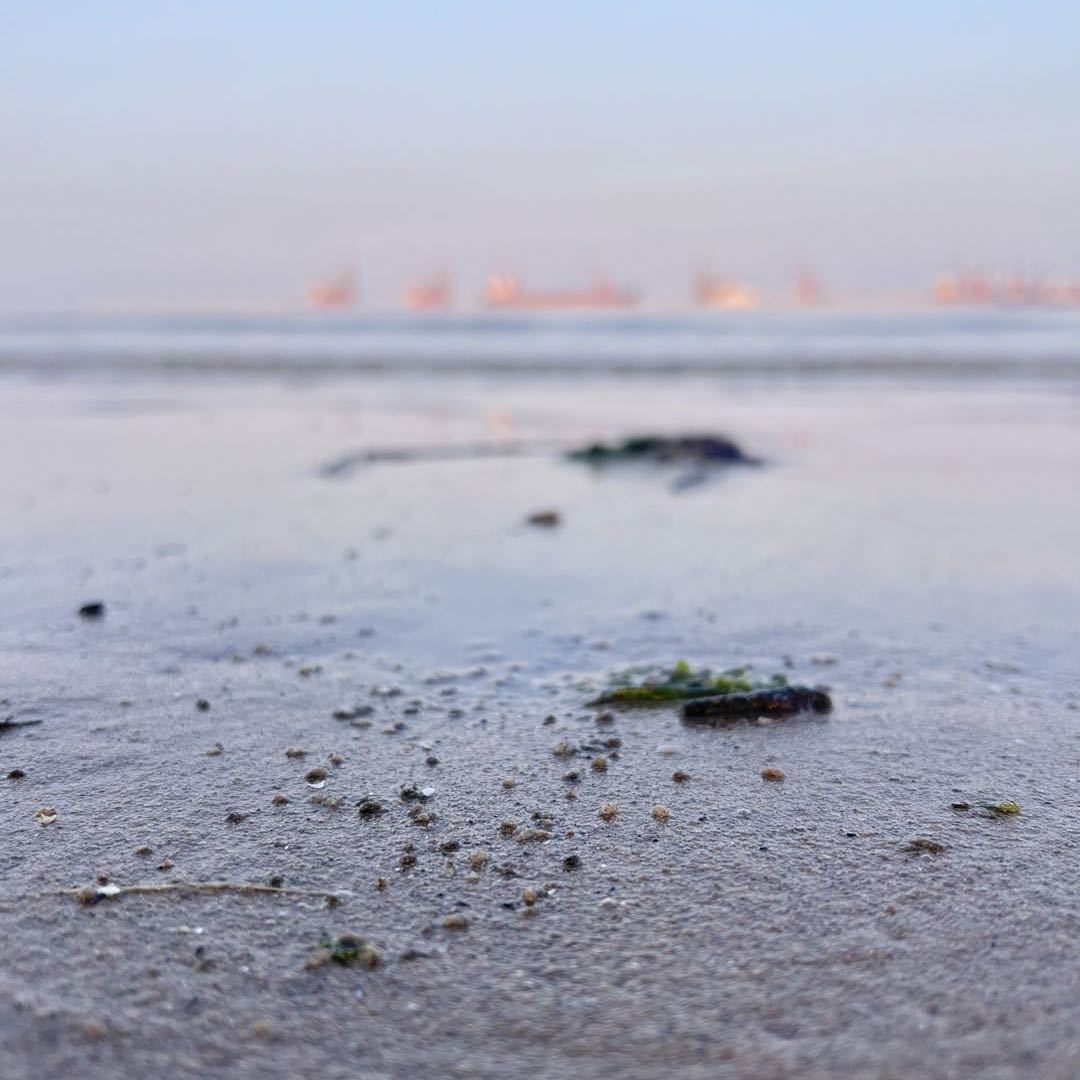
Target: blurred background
270, 157
839, 233
548, 223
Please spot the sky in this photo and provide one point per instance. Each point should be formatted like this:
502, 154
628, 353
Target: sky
169, 155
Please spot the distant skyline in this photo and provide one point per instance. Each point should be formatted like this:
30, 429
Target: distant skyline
190, 154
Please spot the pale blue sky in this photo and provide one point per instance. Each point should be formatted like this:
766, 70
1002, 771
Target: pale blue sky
176, 153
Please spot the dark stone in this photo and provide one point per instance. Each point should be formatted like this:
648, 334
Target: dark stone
783, 701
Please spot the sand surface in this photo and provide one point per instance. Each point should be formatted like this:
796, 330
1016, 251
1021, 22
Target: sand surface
914, 549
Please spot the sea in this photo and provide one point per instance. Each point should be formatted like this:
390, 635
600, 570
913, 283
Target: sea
1016, 345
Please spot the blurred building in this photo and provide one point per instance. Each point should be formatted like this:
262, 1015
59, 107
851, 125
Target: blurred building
431, 294
507, 291
808, 289
723, 293
333, 294
1015, 290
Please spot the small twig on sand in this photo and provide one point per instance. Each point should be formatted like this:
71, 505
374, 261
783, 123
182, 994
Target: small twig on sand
91, 894
346, 463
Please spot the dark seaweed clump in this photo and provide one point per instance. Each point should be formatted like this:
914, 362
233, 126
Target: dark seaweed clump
663, 449
774, 702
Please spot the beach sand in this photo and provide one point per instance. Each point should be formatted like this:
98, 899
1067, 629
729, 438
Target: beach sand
914, 548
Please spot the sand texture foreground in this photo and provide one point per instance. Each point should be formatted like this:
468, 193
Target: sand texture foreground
278, 647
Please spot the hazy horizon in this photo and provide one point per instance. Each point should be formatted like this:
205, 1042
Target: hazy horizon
191, 155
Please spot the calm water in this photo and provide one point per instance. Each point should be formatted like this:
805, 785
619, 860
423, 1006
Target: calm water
965, 344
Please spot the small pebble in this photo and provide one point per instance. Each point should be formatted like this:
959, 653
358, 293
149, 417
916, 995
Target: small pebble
661, 813
609, 811
546, 519
415, 793
526, 835
456, 921
295, 752
772, 774
922, 844
318, 959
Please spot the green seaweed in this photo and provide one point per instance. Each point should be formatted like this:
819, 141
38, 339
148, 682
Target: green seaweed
1006, 806
658, 686
350, 949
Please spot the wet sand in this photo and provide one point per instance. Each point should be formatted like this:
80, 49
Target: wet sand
912, 548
